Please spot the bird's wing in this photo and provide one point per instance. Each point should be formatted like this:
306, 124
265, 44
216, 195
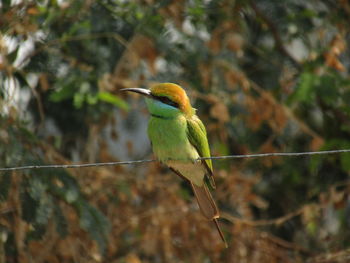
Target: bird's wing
197, 136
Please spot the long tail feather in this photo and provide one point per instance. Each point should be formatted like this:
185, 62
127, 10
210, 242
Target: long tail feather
205, 201
220, 232
207, 206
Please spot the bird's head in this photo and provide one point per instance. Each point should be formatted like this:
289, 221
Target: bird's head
166, 100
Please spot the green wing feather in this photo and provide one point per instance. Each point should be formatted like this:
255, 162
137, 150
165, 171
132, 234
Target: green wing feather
198, 138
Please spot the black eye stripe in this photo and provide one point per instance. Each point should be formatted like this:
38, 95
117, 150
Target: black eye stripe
166, 100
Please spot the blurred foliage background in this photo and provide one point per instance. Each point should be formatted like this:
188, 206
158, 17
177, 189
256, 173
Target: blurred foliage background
265, 76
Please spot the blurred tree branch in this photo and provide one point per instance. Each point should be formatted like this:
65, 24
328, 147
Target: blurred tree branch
276, 36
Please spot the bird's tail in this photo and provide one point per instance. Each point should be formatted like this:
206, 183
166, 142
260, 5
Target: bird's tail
207, 206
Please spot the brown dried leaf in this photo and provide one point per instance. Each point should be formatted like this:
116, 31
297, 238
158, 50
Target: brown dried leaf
175, 11
337, 46
145, 49
310, 213
236, 78
205, 72
44, 83
338, 198
268, 147
132, 258
35, 247
316, 143
234, 41
279, 119
33, 10
260, 110
140, 47
219, 111
214, 44
65, 247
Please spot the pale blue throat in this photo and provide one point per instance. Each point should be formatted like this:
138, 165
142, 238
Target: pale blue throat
160, 109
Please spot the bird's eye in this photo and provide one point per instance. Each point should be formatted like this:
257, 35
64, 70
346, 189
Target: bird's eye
166, 100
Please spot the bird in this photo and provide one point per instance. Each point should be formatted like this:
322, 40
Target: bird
179, 138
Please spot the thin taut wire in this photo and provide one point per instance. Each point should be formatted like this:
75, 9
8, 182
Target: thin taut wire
273, 154
258, 155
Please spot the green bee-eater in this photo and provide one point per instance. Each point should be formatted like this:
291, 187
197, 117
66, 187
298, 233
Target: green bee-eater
178, 139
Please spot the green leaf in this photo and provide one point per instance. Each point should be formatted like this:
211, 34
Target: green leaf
110, 98
44, 210
37, 188
13, 55
345, 160
64, 93
308, 13
124, 187
78, 100
80, 28
328, 88
67, 188
21, 78
91, 99
344, 157
311, 228
94, 222
5, 183
60, 220
6, 4
29, 206
315, 163
305, 91
184, 193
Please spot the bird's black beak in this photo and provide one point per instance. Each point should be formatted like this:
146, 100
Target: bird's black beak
144, 92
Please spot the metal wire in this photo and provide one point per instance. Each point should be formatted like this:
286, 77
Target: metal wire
274, 154
258, 155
